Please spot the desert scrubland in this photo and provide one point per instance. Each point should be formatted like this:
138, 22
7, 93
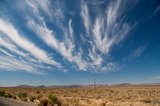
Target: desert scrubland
87, 96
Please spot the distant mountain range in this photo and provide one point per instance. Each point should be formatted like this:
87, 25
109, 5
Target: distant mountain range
91, 85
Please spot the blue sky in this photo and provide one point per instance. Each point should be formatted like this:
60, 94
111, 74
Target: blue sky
73, 41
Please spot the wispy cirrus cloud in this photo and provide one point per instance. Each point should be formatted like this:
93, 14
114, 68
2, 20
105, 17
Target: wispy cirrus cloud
107, 30
39, 8
50, 24
137, 52
85, 17
24, 43
157, 77
65, 48
4, 42
113, 11
12, 64
38, 26
155, 12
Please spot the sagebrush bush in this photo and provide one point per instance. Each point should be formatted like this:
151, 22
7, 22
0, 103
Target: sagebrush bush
8, 95
39, 96
2, 93
22, 95
53, 100
32, 98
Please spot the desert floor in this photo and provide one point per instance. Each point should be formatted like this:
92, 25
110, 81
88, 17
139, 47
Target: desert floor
86, 96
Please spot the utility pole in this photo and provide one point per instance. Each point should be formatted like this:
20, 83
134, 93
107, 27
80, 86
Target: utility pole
41, 82
94, 85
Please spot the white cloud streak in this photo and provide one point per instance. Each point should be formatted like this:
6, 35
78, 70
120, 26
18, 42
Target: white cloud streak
40, 7
4, 42
137, 52
85, 17
113, 12
106, 36
155, 12
25, 44
64, 48
155, 78
12, 64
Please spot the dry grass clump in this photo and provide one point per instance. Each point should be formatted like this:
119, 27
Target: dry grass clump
43, 102
146, 101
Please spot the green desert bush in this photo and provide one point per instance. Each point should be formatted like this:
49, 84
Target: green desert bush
2, 93
53, 100
22, 95
8, 95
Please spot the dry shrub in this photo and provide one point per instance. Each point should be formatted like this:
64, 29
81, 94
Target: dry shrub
43, 102
156, 101
24, 99
32, 98
39, 96
37, 92
146, 101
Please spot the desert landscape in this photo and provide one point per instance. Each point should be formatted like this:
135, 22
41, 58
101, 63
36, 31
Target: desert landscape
100, 95
79, 52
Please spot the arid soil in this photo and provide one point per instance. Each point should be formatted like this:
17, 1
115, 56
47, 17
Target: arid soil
12, 102
88, 96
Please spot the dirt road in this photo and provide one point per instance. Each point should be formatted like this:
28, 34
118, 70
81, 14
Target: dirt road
12, 102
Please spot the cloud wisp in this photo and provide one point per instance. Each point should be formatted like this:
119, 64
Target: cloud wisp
137, 52
100, 34
106, 31
20, 41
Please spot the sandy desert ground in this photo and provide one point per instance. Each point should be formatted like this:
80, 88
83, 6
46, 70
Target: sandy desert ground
87, 96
